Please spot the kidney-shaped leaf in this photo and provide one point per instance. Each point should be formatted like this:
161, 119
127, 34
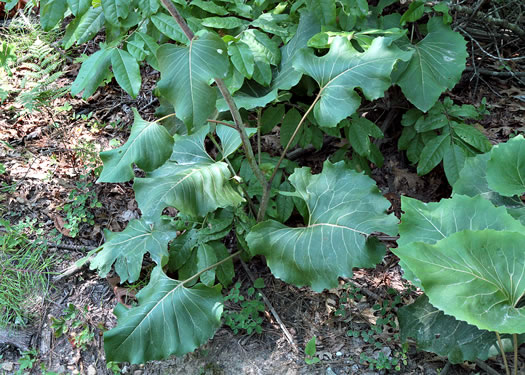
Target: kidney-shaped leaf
475, 276
436, 65
127, 248
149, 146
169, 320
506, 167
345, 208
191, 181
443, 334
342, 70
186, 72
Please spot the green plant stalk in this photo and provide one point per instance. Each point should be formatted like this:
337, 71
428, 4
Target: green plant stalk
266, 193
236, 115
500, 344
209, 268
515, 342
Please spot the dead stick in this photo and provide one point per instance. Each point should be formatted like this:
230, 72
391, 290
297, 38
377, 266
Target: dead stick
274, 313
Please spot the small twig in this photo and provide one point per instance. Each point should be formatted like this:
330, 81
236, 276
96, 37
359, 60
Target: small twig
482, 365
272, 310
495, 74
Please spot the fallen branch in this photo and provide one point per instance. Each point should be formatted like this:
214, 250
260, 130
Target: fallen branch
489, 19
272, 310
487, 72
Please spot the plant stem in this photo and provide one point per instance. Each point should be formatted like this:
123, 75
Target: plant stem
222, 123
237, 119
266, 193
259, 111
164, 118
210, 267
507, 370
515, 342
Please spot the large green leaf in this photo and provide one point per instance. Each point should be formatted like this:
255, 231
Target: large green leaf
186, 73
126, 71
92, 73
169, 320
342, 70
443, 334
127, 248
191, 181
431, 222
506, 167
475, 276
82, 29
345, 207
51, 12
436, 65
149, 146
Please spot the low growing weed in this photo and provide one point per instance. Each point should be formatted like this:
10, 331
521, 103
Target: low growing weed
79, 209
248, 319
75, 325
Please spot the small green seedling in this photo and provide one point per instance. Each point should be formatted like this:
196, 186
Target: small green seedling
310, 351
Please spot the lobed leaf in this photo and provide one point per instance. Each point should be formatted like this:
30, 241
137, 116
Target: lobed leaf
191, 181
170, 319
149, 146
342, 70
127, 249
186, 73
344, 207
436, 65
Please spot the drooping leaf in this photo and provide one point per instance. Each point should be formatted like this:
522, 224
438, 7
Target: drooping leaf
431, 222
84, 28
223, 22
51, 12
210, 7
345, 207
115, 10
191, 181
475, 276
92, 73
79, 7
166, 25
453, 161
126, 71
149, 146
472, 136
443, 334
185, 76
436, 65
342, 70
325, 12
433, 153
230, 138
242, 58
127, 249
170, 319
506, 167
287, 76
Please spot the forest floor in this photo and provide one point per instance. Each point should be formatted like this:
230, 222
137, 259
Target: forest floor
50, 156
